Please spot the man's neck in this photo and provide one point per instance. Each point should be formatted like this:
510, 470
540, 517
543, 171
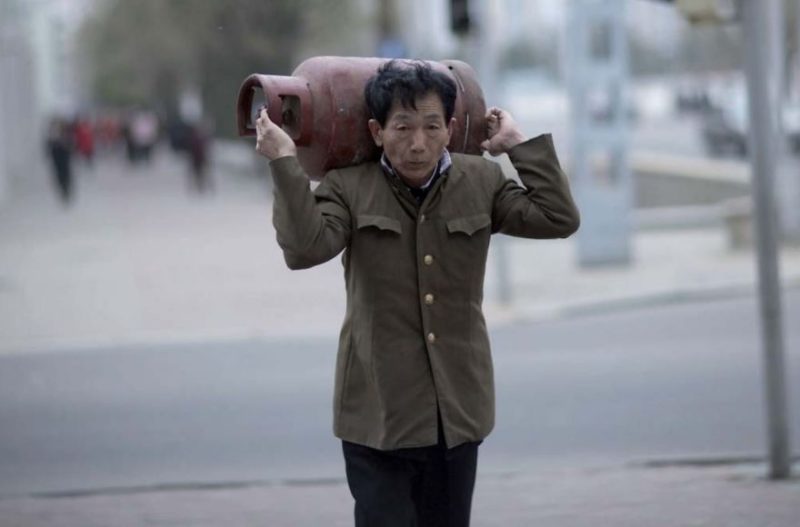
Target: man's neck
442, 165
417, 184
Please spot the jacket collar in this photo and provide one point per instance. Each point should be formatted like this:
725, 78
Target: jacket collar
444, 164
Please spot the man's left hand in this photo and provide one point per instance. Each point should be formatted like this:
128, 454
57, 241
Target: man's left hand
502, 130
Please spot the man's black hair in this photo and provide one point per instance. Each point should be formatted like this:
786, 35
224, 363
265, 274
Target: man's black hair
405, 82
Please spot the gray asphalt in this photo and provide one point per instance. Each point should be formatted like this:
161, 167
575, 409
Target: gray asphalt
662, 382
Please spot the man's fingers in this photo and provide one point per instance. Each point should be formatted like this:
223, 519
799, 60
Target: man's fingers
262, 126
263, 123
263, 117
496, 115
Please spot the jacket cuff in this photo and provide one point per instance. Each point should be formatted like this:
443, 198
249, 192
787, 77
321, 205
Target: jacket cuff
534, 148
288, 174
285, 165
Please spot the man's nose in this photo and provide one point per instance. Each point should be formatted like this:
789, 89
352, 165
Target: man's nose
418, 141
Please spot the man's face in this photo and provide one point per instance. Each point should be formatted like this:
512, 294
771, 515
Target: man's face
414, 140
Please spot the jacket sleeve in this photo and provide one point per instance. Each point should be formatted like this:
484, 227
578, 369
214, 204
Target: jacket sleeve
312, 227
544, 208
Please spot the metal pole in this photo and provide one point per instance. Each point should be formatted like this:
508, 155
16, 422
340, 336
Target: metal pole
5, 80
797, 48
788, 168
760, 68
792, 63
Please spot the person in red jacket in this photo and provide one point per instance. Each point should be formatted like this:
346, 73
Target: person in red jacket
84, 139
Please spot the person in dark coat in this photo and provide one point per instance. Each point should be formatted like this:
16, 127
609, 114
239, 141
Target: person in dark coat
59, 150
197, 150
414, 385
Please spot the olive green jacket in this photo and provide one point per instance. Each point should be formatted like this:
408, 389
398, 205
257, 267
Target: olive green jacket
414, 335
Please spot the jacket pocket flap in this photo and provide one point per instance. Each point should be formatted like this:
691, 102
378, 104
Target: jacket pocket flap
383, 223
469, 225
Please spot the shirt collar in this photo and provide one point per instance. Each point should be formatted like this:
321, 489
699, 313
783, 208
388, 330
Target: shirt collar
441, 167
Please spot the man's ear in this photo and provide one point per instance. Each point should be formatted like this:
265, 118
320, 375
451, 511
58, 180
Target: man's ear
450, 127
376, 131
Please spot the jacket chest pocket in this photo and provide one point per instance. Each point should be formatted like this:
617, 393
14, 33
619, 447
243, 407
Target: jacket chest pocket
467, 244
468, 225
383, 224
377, 248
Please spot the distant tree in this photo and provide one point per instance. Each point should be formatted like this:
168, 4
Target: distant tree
149, 51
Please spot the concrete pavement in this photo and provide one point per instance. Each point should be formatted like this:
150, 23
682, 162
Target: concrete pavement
631, 496
141, 258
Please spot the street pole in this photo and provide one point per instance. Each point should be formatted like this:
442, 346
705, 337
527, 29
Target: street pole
788, 168
4, 81
758, 19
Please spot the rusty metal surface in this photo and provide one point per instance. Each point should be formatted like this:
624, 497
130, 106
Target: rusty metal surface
322, 108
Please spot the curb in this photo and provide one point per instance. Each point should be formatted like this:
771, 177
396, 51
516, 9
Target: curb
623, 303
497, 315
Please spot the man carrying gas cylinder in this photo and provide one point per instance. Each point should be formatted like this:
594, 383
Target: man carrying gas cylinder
414, 387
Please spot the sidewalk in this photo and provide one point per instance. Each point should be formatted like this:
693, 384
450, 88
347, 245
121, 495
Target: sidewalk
140, 258
632, 496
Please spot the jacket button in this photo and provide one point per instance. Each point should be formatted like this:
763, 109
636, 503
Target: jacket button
422, 218
428, 259
431, 338
429, 299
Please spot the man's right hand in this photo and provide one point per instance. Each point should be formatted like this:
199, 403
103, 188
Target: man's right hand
271, 141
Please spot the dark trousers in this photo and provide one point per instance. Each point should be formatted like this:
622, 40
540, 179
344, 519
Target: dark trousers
412, 487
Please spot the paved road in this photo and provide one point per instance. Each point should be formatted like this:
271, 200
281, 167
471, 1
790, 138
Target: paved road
677, 380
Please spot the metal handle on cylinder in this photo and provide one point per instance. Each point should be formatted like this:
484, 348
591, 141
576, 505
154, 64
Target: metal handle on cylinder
288, 103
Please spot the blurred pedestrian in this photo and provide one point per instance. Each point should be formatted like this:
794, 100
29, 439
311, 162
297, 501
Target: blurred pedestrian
58, 144
141, 135
414, 389
108, 133
197, 153
84, 139
178, 133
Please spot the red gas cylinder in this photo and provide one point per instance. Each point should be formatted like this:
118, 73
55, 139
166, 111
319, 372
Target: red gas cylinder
321, 106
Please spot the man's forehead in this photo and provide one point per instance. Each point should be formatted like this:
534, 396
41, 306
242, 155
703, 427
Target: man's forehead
427, 106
